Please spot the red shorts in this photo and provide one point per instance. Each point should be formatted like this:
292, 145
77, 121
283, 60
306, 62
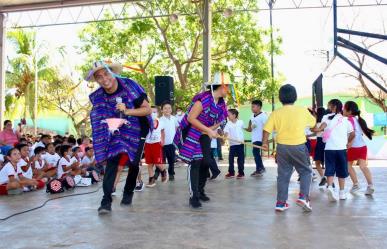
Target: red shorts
3, 189
354, 154
153, 153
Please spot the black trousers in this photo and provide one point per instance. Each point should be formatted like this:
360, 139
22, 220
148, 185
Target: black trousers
237, 151
198, 169
111, 173
170, 156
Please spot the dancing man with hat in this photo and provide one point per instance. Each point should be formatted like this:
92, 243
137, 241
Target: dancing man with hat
205, 114
120, 120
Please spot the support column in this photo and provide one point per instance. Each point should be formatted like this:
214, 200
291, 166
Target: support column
207, 41
3, 35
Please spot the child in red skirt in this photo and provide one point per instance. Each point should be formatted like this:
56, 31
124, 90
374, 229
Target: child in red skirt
154, 150
357, 150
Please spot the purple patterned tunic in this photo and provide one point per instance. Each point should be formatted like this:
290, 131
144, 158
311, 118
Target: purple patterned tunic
187, 136
107, 145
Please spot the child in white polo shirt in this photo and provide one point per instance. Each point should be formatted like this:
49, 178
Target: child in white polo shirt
256, 124
234, 131
338, 133
169, 124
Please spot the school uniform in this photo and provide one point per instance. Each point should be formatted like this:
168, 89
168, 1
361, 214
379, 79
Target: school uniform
257, 123
237, 149
358, 150
153, 148
336, 146
320, 147
24, 168
169, 125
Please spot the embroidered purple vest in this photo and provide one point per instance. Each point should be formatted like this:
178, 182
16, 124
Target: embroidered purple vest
107, 145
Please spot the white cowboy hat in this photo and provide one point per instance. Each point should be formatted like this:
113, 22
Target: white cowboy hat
98, 65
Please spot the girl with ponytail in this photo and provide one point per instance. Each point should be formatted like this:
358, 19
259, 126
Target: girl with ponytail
337, 134
357, 150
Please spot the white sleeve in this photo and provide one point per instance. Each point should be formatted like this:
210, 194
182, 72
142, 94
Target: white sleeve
265, 117
241, 123
349, 126
176, 122
227, 128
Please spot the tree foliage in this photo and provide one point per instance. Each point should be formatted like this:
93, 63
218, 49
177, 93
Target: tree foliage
239, 47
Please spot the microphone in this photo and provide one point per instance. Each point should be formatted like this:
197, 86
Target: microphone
119, 101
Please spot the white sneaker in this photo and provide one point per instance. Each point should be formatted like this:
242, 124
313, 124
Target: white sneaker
342, 195
370, 190
355, 188
331, 194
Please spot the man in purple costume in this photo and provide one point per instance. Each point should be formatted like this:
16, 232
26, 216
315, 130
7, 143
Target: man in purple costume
193, 138
118, 97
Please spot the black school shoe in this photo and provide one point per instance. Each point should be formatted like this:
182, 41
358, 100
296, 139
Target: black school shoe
105, 209
171, 177
127, 199
204, 197
194, 202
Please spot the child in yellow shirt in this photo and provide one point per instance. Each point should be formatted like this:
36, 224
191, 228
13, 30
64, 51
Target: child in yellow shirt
290, 122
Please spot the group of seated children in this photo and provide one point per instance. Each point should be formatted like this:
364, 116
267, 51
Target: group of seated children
27, 168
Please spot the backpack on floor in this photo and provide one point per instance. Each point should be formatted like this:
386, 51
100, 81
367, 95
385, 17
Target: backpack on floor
68, 182
54, 186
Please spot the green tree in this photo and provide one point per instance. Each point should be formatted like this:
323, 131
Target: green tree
66, 95
29, 57
167, 47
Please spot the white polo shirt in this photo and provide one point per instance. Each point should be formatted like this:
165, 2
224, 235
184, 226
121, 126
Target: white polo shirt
169, 126
51, 159
6, 171
257, 124
358, 141
63, 162
154, 136
27, 174
234, 131
338, 138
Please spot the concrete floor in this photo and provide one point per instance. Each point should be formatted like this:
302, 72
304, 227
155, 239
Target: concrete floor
240, 215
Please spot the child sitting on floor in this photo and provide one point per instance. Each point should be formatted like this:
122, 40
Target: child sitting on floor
11, 178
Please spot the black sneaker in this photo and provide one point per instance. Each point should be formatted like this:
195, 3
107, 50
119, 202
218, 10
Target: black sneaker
214, 176
204, 197
256, 174
323, 182
105, 209
194, 202
171, 177
127, 199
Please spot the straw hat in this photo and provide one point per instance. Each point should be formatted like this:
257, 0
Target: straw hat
220, 78
98, 65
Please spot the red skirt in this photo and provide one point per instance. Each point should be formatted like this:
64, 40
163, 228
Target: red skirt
153, 153
354, 154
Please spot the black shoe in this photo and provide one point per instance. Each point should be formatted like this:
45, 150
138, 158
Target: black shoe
127, 199
105, 209
323, 182
204, 197
214, 176
171, 177
194, 202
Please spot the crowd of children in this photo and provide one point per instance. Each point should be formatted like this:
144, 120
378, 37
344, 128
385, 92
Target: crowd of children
30, 164
339, 133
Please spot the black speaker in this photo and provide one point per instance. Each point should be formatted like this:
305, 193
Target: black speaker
164, 89
317, 96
